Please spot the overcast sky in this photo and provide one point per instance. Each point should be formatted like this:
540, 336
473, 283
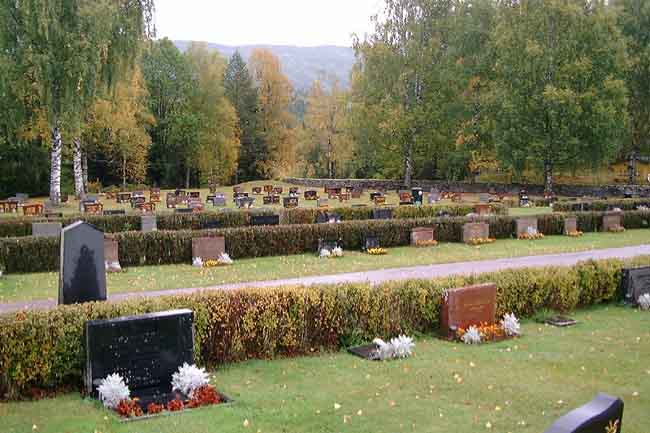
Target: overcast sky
276, 22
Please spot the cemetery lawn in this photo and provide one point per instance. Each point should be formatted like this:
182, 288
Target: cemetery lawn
529, 211
521, 385
25, 287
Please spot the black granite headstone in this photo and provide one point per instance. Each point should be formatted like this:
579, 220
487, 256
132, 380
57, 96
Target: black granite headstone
82, 272
635, 282
371, 242
265, 220
382, 214
603, 414
146, 350
328, 244
183, 210
115, 212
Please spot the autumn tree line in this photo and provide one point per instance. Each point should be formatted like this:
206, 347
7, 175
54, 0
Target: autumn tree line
442, 89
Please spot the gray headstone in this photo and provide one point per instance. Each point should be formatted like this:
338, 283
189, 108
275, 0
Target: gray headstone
570, 225
46, 229
524, 224
484, 198
475, 231
82, 274
148, 223
603, 414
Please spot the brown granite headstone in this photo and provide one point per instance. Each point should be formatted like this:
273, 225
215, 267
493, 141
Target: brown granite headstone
208, 248
524, 223
467, 306
570, 225
421, 234
475, 231
111, 255
611, 221
482, 209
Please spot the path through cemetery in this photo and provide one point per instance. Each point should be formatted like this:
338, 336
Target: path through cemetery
382, 275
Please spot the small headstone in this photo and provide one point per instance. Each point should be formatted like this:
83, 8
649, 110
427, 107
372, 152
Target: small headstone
635, 282
484, 198
244, 202
422, 234
611, 222
374, 195
603, 414
322, 202
405, 198
183, 210
115, 212
475, 231
257, 190
525, 225
382, 213
145, 350
208, 248
290, 202
380, 200
52, 229
123, 197
148, 223
218, 199
371, 242
82, 274
311, 195
210, 225
434, 196
570, 225
112, 256
560, 321
417, 196
267, 200
482, 209
265, 220
327, 244
467, 306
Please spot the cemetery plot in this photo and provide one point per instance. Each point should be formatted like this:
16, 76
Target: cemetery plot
527, 229
604, 414
423, 237
612, 223
477, 234
265, 220
112, 256
635, 282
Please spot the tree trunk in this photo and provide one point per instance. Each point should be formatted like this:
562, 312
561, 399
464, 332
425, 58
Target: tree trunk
631, 168
408, 163
548, 177
77, 168
55, 171
124, 172
84, 168
187, 177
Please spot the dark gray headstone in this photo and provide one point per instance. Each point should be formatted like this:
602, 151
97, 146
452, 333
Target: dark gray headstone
382, 214
524, 224
434, 196
82, 274
328, 244
371, 242
635, 282
148, 223
265, 220
115, 212
322, 202
603, 414
145, 350
46, 229
219, 200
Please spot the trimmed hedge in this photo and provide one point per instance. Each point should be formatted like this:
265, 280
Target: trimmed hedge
40, 254
22, 226
44, 349
600, 205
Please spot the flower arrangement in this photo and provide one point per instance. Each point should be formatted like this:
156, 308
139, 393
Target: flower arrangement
575, 234
617, 229
335, 253
205, 395
129, 408
377, 251
188, 378
480, 241
398, 347
530, 236
112, 391
644, 302
223, 260
510, 325
153, 408
197, 262
175, 405
424, 244
471, 336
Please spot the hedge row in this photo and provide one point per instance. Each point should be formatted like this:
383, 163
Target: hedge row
22, 226
44, 349
39, 254
601, 205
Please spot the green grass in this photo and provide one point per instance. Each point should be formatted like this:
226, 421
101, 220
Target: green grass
14, 288
517, 386
529, 211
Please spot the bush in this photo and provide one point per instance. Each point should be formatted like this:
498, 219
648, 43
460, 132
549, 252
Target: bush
44, 349
30, 254
22, 226
601, 205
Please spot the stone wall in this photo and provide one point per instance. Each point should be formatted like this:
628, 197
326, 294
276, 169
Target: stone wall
604, 191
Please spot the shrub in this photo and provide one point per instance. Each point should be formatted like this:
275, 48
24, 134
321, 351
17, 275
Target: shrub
601, 205
44, 349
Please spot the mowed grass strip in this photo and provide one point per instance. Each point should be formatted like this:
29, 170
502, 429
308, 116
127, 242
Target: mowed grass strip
520, 385
26, 287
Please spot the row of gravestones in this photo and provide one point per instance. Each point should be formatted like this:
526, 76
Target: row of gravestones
148, 223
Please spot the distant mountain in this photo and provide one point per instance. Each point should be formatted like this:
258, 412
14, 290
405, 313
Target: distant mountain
301, 64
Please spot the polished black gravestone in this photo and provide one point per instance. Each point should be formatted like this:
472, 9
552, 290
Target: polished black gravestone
603, 414
371, 242
145, 350
382, 214
265, 220
82, 272
635, 282
328, 244
115, 212
560, 321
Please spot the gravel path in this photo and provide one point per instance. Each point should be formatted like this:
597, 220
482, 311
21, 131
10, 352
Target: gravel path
382, 275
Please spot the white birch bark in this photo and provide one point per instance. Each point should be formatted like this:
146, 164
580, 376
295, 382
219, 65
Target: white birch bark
77, 168
55, 170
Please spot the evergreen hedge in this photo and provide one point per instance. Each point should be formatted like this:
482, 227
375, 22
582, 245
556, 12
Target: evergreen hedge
601, 205
41, 254
22, 226
45, 349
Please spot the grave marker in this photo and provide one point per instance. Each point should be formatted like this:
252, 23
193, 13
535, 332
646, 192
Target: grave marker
524, 225
603, 414
467, 306
383, 213
52, 229
422, 234
265, 220
634, 283
82, 272
148, 223
290, 202
311, 195
475, 231
112, 256
612, 222
570, 225
208, 248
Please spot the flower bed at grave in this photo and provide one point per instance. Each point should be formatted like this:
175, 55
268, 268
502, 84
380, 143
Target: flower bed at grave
377, 251
480, 241
530, 236
617, 229
426, 244
45, 349
575, 234
489, 333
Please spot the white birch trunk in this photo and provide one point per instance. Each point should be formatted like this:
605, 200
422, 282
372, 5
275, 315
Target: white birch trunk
55, 170
84, 167
77, 168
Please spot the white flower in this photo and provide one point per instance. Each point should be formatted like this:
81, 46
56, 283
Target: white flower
384, 350
337, 252
472, 336
325, 253
532, 231
113, 390
510, 324
224, 259
197, 262
644, 301
402, 346
188, 378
